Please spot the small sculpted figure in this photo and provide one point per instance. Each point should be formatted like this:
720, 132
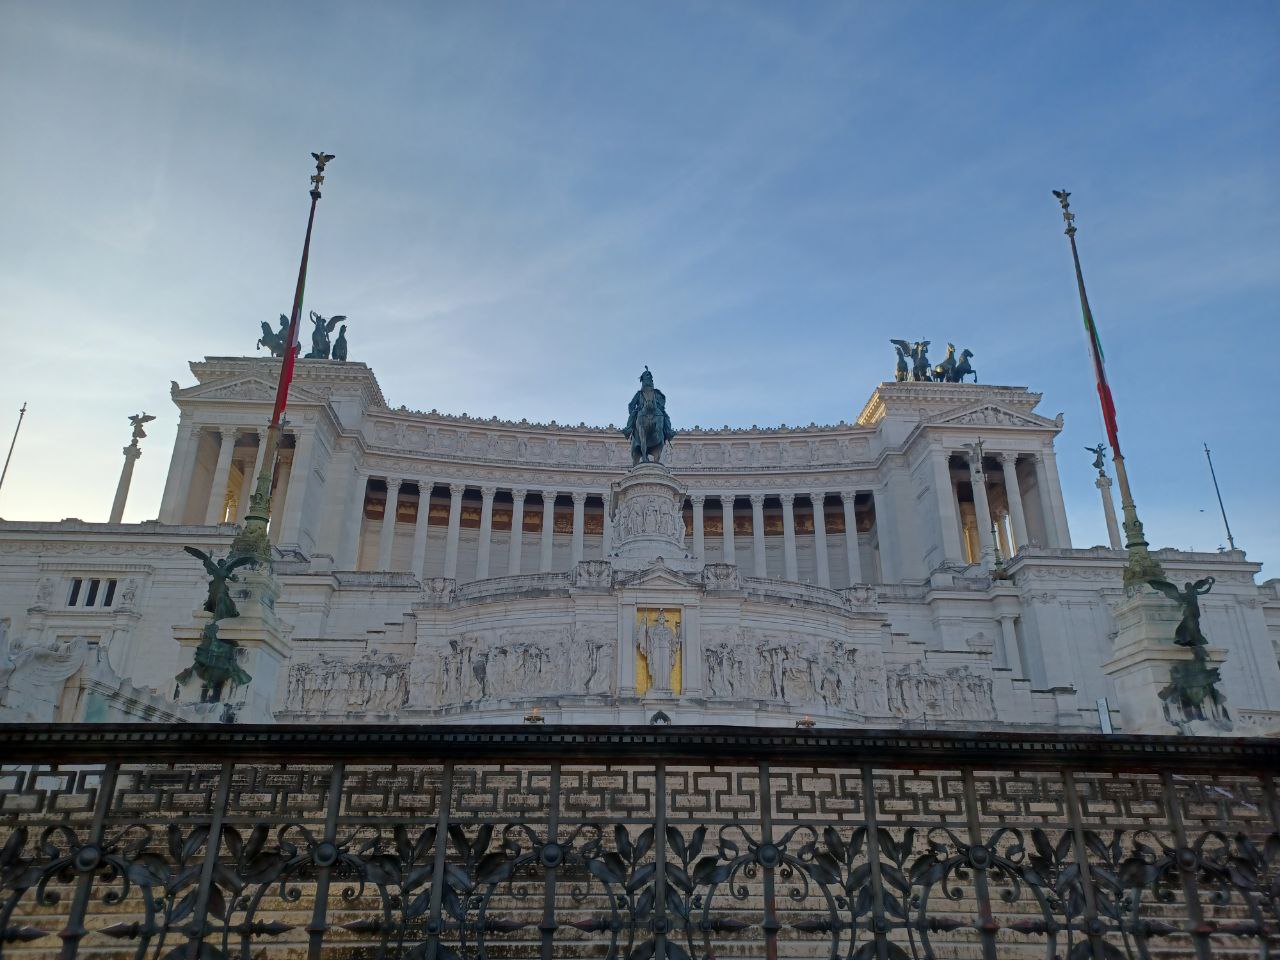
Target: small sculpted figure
219, 602
943, 371
902, 371
320, 330
1188, 632
1098, 452
275, 340
963, 368
920, 351
340, 345
138, 419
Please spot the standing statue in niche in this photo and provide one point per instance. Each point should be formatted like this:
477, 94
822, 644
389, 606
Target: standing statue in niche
661, 645
320, 330
648, 426
1192, 693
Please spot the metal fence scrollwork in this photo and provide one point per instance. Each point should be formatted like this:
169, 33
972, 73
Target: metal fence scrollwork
631, 844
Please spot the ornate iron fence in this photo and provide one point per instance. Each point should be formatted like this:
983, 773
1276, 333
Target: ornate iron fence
632, 843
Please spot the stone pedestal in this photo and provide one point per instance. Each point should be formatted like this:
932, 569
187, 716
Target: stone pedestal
261, 647
1142, 665
648, 521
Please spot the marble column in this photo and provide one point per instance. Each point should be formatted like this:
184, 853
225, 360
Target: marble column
1007, 653
882, 503
1046, 502
252, 467
350, 559
699, 542
757, 535
848, 500
486, 532
455, 526
217, 508
820, 538
548, 530
1013, 494
1055, 497
790, 565
296, 496
387, 539
606, 537
186, 444
131, 454
948, 511
579, 526
420, 530
517, 531
730, 548
978, 482
1103, 483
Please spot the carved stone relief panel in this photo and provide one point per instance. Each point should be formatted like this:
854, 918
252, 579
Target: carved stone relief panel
329, 685
486, 666
783, 668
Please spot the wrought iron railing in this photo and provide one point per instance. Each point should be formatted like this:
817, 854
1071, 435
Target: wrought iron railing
632, 843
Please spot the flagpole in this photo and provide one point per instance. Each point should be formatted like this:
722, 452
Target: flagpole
1141, 566
21, 413
1213, 473
251, 540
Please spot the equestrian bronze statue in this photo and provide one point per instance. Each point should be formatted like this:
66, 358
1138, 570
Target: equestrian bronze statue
648, 426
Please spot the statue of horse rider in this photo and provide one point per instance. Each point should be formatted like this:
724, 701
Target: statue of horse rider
648, 425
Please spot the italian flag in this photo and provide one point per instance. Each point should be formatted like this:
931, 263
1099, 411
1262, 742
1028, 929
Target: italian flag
1100, 372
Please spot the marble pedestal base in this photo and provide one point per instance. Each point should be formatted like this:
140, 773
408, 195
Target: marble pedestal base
1141, 666
648, 521
262, 647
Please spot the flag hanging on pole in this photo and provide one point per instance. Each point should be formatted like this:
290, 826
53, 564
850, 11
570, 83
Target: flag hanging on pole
1104, 388
1095, 342
286, 369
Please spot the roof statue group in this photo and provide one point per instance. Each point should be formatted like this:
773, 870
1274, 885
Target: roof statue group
949, 370
321, 347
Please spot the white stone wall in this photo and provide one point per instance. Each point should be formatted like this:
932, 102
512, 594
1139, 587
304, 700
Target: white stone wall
371, 623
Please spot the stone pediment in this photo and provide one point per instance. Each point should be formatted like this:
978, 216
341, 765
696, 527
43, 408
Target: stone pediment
659, 576
989, 414
245, 388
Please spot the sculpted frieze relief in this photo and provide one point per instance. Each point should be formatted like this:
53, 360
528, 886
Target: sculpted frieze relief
327, 685
953, 694
488, 666
759, 665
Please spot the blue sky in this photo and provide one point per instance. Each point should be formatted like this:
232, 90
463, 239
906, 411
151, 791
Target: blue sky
532, 200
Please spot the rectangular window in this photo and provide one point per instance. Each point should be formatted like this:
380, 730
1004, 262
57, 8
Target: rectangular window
110, 596
93, 592
76, 584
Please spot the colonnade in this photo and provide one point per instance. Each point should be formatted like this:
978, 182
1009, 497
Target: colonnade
999, 515
1006, 523
380, 551
418, 562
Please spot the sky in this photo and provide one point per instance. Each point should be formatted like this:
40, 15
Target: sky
533, 200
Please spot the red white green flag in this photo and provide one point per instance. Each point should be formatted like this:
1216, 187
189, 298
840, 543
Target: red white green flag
1104, 389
